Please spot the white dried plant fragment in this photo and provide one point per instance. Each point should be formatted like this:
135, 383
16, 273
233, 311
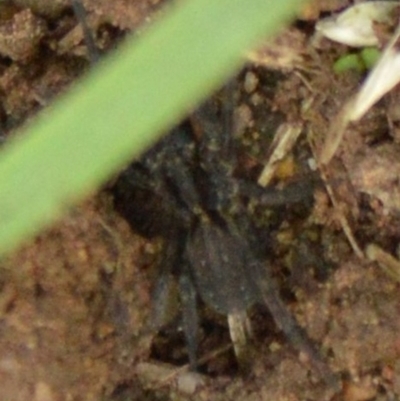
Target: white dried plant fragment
284, 140
382, 78
355, 26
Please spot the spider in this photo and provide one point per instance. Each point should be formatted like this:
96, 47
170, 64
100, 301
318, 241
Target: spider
184, 190
188, 194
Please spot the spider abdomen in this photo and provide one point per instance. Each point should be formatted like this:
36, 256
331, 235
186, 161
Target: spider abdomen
219, 258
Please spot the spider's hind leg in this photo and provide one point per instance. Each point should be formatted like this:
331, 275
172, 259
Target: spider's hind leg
189, 316
288, 324
80, 14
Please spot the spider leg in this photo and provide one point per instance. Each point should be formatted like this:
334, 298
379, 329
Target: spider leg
164, 294
80, 13
269, 196
190, 319
216, 145
150, 189
167, 169
217, 153
288, 324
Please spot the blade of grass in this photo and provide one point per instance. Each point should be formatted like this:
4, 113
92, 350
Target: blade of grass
117, 111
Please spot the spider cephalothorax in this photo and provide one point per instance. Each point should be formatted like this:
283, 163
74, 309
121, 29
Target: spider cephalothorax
184, 189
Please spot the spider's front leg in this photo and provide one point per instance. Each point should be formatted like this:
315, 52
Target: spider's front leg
190, 318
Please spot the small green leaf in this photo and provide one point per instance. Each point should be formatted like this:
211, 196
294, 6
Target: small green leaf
349, 62
361, 61
370, 56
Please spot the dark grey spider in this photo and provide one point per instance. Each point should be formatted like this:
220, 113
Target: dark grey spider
188, 194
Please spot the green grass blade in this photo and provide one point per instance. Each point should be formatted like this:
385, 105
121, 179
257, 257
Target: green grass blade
117, 111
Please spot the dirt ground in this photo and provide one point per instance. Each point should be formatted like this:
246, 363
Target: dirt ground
75, 302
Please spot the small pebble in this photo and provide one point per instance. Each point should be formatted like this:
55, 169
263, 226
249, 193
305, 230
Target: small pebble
250, 82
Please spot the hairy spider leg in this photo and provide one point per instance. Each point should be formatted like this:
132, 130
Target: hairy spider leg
178, 172
173, 160
190, 318
80, 13
217, 156
164, 292
288, 324
294, 192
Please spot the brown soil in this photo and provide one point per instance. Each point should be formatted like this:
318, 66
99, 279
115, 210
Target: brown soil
75, 302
